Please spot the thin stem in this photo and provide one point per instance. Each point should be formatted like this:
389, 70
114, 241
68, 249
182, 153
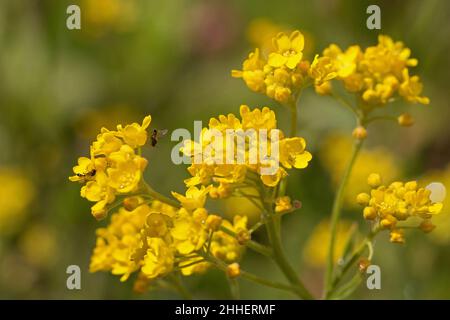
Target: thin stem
293, 109
280, 259
255, 246
250, 276
335, 215
346, 104
178, 286
158, 196
356, 255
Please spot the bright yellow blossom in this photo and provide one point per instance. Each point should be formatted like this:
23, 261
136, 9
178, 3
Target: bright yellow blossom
114, 167
390, 207
212, 168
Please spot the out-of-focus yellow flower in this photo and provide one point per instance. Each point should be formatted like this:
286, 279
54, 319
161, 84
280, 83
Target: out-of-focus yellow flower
391, 207
242, 206
316, 248
114, 167
334, 155
16, 193
215, 168
39, 245
102, 16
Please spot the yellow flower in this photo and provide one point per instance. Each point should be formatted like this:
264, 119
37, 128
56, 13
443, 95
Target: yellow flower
394, 205
282, 74
283, 204
375, 75
411, 88
195, 265
293, 153
226, 247
114, 167
195, 197
135, 135
288, 50
118, 242
189, 231
211, 170
159, 258
322, 70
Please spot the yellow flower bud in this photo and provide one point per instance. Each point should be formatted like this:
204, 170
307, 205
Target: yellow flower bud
369, 213
374, 180
323, 89
405, 120
131, 203
427, 226
213, 222
388, 222
363, 199
243, 236
233, 270
360, 133
397, 236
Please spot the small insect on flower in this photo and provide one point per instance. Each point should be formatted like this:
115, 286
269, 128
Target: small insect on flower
157, 134
87, 176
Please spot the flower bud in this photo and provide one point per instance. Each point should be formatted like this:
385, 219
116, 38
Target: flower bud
405, 120
233, 270
360, 133
369, 213
131, 203
374, 180
427, 226
243, 237
363, 199
213, 222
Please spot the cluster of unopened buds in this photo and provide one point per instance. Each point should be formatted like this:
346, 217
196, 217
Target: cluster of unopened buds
158, 238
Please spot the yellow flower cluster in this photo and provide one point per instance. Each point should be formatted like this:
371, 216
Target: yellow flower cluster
375, 75
282, 73
114, 167
391, 205
156, 239
223, 176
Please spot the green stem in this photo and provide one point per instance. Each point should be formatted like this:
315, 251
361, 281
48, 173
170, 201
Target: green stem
250, 276
356, 255
178, 286
158, 196
293, 109
280, 259
335, 215
255, 246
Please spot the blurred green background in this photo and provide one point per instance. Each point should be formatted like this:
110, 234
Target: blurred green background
172, 59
